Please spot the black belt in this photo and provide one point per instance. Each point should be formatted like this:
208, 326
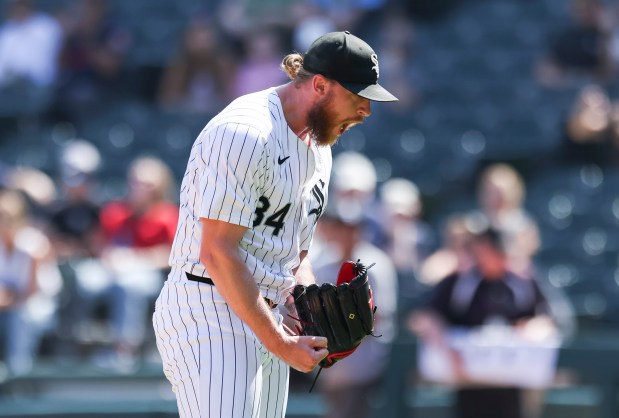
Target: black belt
208, 280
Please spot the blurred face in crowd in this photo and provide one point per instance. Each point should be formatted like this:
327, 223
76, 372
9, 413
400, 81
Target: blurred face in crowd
500, 189
490, 259
492, 198
590, 115
335, 113
149, 182
200, 39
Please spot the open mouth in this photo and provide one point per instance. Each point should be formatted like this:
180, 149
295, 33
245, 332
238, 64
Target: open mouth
346, 126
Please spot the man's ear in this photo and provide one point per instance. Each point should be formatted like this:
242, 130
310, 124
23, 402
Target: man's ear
320, 84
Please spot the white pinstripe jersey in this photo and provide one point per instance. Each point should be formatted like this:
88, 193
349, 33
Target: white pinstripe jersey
247, 167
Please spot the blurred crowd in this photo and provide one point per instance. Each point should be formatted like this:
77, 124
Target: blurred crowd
584, 55
75, 55
79, 272
84, 267
79, 276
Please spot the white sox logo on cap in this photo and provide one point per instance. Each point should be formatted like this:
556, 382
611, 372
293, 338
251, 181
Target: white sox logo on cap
374, 59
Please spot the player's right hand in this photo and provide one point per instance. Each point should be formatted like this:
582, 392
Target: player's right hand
302, 353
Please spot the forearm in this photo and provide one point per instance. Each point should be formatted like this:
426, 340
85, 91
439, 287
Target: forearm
238, 288
220, 255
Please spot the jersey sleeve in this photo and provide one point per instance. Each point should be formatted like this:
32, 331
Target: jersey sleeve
318, 201
306, 236
233, 157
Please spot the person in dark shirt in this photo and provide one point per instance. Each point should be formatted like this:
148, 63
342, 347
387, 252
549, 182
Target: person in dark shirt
579, 50
75, 221
487, 293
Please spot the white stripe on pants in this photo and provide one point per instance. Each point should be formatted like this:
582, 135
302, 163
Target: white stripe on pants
215, 363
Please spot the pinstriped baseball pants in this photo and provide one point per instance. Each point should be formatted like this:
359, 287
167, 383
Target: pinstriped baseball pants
215, 363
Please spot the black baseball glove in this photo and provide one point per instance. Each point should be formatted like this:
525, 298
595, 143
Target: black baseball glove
343, 313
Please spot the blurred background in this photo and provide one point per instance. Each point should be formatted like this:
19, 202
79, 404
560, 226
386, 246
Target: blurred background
508, 111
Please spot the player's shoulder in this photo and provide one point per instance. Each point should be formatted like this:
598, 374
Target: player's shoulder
260, 110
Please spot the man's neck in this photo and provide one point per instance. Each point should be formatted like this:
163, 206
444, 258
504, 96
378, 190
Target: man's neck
295, 107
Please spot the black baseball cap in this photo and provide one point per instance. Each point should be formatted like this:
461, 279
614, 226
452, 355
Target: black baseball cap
347, 59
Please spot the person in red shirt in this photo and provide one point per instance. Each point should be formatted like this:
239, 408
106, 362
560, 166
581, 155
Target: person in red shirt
138, 233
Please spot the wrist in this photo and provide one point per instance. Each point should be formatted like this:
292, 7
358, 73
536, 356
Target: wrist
276, 344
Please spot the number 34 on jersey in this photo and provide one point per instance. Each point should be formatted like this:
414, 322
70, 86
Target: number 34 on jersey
276, 220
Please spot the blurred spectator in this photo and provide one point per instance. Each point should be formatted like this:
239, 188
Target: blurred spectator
75, 216
354, 180
259, 68
39, 312
501, 193
138, 234
580, 51
351, 386
489, 293
353, 190
17, 284
75, 233
453, 255
92, 58
199, 78
409, 240
37, 187
29, 44
588, 129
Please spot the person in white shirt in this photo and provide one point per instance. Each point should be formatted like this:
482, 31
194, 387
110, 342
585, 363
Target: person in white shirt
30, 43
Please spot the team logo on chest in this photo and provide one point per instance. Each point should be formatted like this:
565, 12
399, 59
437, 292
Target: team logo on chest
319, 196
